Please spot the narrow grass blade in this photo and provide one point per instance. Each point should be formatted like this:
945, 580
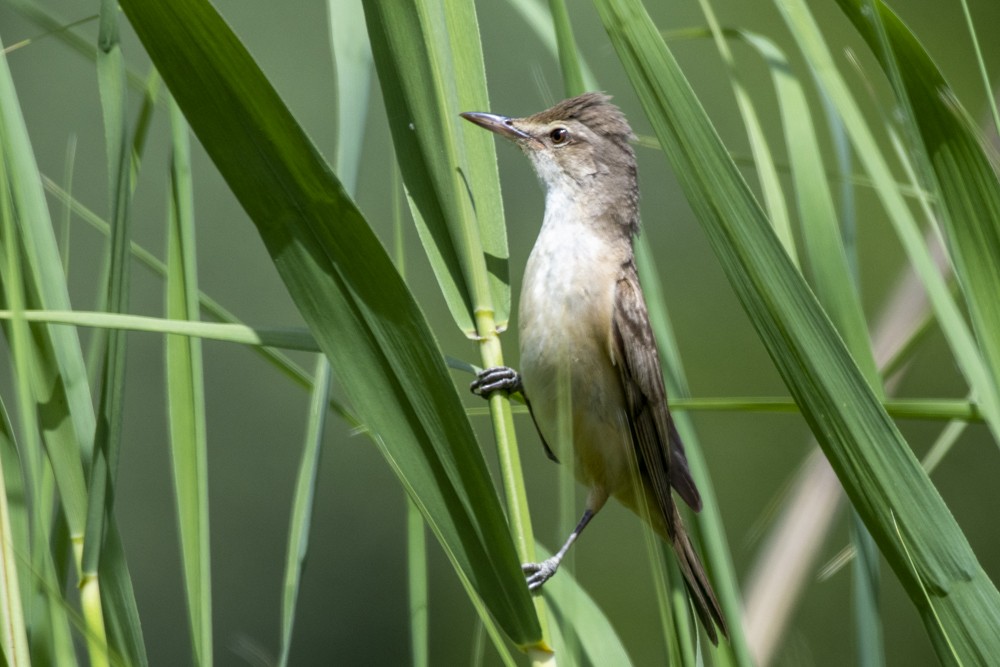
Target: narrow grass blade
418, 598
365, 320
865, 588
108, 435
569, 58
546, 28
352, 59
302, 507
575, 611
416, 534
710, 526
59, 379
878, 471
288, 338
13, 637
15, 517
51, 630
430, 67
186, 398
830, 268
64, 237
767, 173
987, 87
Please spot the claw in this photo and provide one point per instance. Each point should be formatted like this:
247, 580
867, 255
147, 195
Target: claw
539, 573
499, 378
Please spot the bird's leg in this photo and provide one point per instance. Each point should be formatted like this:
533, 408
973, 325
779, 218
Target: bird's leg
505, 378
498, 378
539, 573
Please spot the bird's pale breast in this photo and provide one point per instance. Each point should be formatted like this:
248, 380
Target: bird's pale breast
565, 320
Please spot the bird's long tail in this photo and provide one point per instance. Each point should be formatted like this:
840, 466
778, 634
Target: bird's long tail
705, 603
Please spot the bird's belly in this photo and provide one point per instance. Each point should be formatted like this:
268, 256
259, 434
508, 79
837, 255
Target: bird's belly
565, 328
600, 438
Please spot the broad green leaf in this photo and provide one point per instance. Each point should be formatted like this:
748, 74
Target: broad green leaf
430, 67
340, 277
836, 289
883, 479
429, 61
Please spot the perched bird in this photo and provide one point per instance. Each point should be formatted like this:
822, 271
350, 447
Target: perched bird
583, 317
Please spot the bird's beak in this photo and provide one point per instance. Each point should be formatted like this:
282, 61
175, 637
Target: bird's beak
501, 125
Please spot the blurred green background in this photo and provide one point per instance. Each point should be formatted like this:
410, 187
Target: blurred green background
353, 600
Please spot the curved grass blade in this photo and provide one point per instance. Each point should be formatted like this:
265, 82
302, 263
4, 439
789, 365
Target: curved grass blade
764, 167
949, 316
956, 167
59, 372
340, 277
878, 470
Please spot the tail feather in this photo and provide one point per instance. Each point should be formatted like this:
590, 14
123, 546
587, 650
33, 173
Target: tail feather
700, 590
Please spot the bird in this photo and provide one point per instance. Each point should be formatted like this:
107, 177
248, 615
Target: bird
583, 324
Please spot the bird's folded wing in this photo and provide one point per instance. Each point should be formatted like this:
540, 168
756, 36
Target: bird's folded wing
660, 453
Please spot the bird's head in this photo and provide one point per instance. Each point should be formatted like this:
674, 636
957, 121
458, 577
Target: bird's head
582, 143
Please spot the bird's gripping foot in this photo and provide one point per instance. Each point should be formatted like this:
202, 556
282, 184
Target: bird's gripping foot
536, 574
498, 378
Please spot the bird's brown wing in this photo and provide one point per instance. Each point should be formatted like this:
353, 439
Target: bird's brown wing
660, 452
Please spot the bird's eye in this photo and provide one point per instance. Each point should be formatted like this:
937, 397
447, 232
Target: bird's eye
559, 136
